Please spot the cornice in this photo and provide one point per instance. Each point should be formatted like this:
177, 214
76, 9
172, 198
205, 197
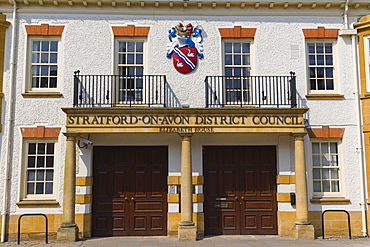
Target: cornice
190, 7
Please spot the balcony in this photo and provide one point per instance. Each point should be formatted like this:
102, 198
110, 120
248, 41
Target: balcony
119, 90
251, 91
154, 91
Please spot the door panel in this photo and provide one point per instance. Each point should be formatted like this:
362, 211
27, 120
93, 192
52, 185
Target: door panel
240, 190
130, 191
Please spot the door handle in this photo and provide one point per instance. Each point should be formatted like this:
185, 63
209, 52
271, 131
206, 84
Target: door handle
242, 197
132, 198
236, 198
126, 199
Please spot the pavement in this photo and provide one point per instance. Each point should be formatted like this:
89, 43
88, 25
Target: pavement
213, 241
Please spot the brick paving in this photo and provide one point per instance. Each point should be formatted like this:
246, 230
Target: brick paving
213, 241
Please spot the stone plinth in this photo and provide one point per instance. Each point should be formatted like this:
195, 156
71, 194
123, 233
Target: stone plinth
187, 233
304, 232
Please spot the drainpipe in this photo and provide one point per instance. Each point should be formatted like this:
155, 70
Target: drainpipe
361, 140
345, 15
9, 129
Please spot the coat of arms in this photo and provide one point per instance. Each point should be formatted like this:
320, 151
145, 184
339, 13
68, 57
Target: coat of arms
185, 47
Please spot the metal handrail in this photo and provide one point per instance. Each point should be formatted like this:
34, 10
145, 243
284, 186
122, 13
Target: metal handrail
119, 90
335, 210
46, 225
258, 91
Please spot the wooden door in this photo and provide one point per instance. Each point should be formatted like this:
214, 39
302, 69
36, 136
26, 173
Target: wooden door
130, 191
240, 190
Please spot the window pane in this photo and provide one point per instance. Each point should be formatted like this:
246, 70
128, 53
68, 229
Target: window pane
32, 148
53, 82
330, 84
324, 148
334, 174
320, 72
130, 59
31, 175
311, 47
44, 70
139, 47
130, 46
122, 46
325, 160
319, 48
313, 84
335, 186
31, 188
237, 47
44, 45
246, 60
316, 174
35, 70
49, 175
246, 47
44, 57
326, 186
228, 60
139, 58
35, 82
39, 188
311, 60
48, 188
31, 161
50, 148
237, 60
328, 48
325, 173
320, 60
334, 160
53, 45
40, 161
329, 59
329, 72
35, 57
316, 160
53, 57
228, 47
40, 175
316, 186
36, 46
315, 148
50, 161
333, 147
53, 70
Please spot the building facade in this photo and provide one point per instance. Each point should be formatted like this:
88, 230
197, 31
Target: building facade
182, 118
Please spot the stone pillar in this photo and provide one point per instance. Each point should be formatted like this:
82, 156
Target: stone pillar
68, 230
303, 228
187, 229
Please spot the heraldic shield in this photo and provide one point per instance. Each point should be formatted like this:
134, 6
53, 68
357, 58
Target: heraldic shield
185, 59
185, 47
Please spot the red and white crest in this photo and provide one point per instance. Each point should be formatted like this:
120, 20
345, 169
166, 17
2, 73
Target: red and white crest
185, 47
185, 59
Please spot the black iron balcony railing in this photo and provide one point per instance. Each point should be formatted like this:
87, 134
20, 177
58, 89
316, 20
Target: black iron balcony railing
254, 91
119, 90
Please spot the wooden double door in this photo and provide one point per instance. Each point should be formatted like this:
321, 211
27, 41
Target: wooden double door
129, 191
240, 190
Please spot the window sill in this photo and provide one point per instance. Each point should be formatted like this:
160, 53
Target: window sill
330, 200
42, 95
324, 96
38, 203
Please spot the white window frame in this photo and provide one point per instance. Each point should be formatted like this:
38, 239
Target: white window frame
30, 64
25, 169
116, 66
339, 167
224, 66
336, 84
367, 61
